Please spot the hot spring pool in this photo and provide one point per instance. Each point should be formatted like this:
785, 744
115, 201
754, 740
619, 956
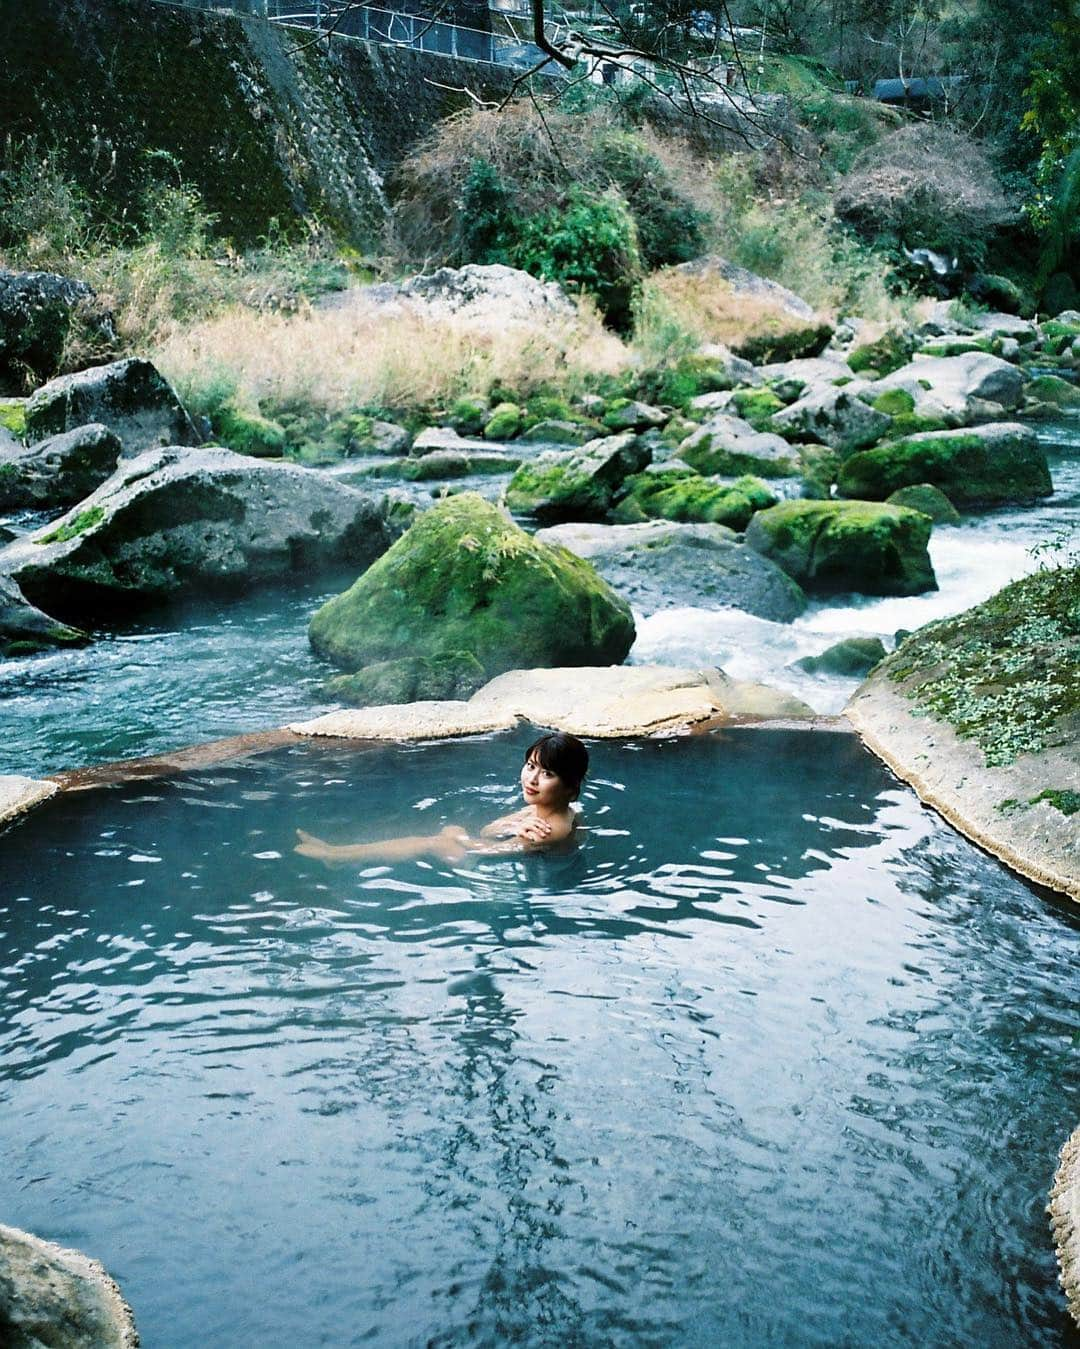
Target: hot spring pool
776, 1058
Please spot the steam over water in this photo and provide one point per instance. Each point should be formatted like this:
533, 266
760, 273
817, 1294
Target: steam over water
776, 1058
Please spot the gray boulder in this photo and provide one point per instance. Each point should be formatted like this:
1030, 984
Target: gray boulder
634, 416
36, 310
178, 520
440, 465
944, 387
729, 445
476, 291
130, 397
853, 658
59, 471
446, 438
661, 565
833, 417
24, 629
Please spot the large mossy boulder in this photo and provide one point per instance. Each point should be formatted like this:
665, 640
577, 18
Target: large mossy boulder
995, 465
130, 397
831, 546
465, 579
928, 499
580, 484
833, 417
730, 445
59, 471
681, 495
660, 565
180, 521
36, 313
852, 658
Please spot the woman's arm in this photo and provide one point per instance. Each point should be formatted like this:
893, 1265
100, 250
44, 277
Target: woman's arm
450, 844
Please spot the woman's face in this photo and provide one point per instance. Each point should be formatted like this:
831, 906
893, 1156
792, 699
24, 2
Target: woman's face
542, 787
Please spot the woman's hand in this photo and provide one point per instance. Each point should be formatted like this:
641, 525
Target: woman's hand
533, 831
310, 846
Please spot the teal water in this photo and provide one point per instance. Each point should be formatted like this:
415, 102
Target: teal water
775, 1059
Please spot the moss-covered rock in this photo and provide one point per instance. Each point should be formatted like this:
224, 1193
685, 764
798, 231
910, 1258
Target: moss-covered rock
884, 355
830, 546
440, 465
675, 384
854, 657
464, 578
1001, 293
928, 499
577, 484
907, 424
558, 433
504, 422
249, 432
957, 346
627, 414
819, 468
469, 415
894, 402
688, 497
728, 445
1006, 673
756, 406
1054, 390
991, 465
455, 674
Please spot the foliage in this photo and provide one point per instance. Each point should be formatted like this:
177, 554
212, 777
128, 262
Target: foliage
926, 186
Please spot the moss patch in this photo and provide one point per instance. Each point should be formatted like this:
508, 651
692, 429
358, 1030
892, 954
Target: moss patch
892, 350
13, 416
79, 525
894, 402
756, 406
970, 469
249, 432
1005, 674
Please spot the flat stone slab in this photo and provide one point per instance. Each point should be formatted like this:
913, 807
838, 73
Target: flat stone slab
595, 701
18, 795
949, 774
1064, 1210
59, 1298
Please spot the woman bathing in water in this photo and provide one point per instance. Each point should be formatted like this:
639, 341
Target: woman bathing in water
551, 778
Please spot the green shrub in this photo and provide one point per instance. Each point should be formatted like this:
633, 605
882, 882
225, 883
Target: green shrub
488, 220
588, 244
13, 416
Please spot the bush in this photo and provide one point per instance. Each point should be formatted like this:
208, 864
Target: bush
926, 186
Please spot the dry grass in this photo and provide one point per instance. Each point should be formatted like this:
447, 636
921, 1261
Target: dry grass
707, 308
363, 355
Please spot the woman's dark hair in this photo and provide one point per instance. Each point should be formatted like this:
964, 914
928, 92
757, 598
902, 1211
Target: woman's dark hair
563, 755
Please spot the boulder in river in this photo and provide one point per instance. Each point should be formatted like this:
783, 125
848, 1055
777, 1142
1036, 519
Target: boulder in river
465, 579
852, 657
726, 444
179, 521
36, 311
57, 1297
831, 546
661, 565
59, 471
130, 397
440, 465
833, 417
24, 629
577, 484
944, 387
996, 465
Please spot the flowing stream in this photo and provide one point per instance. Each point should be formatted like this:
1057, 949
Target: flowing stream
216, 668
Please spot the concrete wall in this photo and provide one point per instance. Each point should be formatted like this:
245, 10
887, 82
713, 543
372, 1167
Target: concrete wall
265, 123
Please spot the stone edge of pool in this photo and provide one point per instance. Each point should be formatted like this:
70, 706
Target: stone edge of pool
1064, 1211
61, 1296
1033, 837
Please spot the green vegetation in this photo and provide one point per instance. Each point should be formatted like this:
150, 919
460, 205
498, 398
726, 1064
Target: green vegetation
894, 403
1005, 674
504, 422
85, 520
971, 469
249, 432
13, 416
